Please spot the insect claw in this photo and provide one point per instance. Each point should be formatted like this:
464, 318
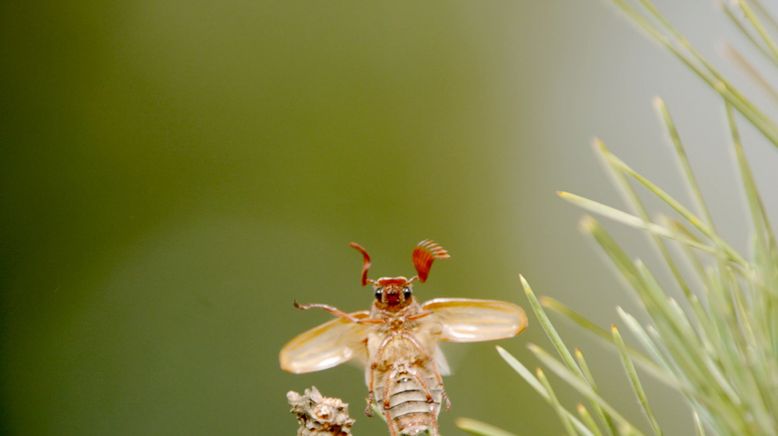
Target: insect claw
369, 407
369, 400
446, 401
298, 305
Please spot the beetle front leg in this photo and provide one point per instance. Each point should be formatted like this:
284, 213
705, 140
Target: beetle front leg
338, 313
419, 315
331, 309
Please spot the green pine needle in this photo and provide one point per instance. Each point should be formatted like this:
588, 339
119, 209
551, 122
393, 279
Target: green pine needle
718, 345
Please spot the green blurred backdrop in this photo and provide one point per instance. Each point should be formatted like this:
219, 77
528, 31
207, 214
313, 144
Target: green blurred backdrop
175, 173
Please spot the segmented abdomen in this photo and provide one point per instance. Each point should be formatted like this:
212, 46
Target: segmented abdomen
410, 411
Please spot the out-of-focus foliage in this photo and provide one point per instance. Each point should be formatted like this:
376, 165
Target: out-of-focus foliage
717, 344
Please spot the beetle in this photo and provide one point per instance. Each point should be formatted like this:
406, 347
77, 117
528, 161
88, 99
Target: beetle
397, 341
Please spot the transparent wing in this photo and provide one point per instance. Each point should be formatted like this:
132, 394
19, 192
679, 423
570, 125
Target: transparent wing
325, 346
441, 361
470, 320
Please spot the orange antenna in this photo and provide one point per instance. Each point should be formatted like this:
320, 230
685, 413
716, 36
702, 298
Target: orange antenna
365, 262
424, 254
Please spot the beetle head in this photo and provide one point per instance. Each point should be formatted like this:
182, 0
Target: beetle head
394, 293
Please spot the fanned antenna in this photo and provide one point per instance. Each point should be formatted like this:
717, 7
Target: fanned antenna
424, 254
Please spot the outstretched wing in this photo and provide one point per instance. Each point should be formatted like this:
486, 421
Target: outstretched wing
471, 320
325, 346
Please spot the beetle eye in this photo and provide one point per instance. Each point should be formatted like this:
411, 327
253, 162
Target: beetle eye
407, 292
378, 293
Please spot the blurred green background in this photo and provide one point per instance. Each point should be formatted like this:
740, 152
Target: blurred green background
174, 173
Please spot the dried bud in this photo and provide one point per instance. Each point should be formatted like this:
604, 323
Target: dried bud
319, 415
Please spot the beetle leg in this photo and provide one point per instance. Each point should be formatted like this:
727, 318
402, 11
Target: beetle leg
419, 315
331, 309
390, 424
439, 380
416, 344
386, 404
370, 390
434, 427
379, 354
371, 321
369, 407
435, 372
423, 385
387, 390
373, 368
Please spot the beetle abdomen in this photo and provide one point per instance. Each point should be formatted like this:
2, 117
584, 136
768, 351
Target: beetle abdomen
414, 400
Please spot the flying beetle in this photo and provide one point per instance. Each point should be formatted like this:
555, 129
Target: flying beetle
397, 341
